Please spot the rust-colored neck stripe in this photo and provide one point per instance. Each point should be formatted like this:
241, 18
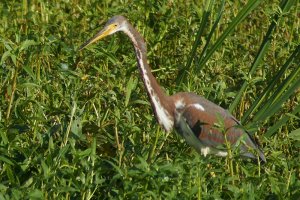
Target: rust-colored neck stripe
160, 102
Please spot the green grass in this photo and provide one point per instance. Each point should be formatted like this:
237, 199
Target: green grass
78, 125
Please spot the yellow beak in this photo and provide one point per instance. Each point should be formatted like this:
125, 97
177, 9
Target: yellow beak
101, 34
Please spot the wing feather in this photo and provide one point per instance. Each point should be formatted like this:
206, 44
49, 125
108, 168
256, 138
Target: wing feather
208, 126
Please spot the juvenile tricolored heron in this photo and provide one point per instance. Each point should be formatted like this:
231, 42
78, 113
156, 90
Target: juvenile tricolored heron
196, 119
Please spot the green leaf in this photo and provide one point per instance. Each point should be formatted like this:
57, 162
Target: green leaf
6, 160
36, 194
26, 44
295, 134
129, 87
76, 126
8, 54
29, 71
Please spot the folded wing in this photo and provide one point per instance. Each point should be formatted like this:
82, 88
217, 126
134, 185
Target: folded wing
207, 127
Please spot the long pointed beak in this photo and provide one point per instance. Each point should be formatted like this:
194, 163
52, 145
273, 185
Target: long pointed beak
101, 34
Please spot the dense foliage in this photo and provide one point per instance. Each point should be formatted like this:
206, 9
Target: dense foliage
78, 125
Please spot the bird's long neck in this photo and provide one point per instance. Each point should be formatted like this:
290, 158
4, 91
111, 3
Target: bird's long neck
161, 103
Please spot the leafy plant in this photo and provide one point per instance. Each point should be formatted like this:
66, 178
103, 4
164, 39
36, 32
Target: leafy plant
78, 125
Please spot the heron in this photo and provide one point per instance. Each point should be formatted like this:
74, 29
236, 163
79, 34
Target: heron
198, 120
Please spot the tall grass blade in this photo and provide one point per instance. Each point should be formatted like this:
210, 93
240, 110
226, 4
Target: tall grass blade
204, 21
285, 6
214, 27
279, 97
258, 102
250, 6
271, 131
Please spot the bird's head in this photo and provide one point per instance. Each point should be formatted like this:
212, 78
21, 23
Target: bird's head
115, 24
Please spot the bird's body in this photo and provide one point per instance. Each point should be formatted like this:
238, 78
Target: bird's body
205, 126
